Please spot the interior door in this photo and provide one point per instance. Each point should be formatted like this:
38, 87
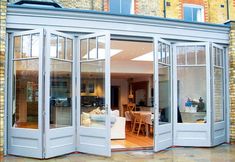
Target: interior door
93, 132
25, 93
218, 95
162, 95
192, 97
59, 94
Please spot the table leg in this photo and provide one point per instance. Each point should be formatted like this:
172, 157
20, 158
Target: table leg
147, 129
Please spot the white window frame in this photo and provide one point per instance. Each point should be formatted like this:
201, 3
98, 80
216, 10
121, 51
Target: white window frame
197, 7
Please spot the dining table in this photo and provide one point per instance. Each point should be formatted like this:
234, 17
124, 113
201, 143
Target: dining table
147, 117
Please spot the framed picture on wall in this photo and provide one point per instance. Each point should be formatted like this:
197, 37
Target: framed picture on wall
91, 87
83, 88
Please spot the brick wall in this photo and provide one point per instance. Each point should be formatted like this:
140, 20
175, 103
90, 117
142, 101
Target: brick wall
2, 64
147, 7
215, 7
211, 9
232, 9
232, 81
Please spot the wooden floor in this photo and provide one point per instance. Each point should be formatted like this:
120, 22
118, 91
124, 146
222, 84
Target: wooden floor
133, 141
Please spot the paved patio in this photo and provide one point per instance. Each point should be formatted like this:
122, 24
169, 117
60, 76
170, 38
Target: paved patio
222, 153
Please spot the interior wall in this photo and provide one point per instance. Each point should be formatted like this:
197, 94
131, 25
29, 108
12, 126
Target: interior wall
123, 84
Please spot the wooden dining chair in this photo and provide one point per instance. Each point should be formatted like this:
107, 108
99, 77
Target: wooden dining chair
139, 124
132, 117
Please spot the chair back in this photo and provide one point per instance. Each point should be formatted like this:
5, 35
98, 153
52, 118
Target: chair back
131, 106
138, 117
132, 116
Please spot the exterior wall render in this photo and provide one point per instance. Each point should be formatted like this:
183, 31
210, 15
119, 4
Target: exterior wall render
3, 5
232, 82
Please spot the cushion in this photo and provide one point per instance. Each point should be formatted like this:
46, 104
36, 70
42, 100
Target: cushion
101, 118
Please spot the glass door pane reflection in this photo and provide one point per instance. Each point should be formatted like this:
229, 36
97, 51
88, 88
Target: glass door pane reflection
164, 94
60, 94
25, 94
93, 94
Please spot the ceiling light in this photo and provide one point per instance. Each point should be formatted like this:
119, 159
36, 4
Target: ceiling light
144, 57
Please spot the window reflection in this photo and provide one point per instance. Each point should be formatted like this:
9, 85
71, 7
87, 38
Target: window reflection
35, 45
164, 94
60, 94
25, 94
26, 46
93, 94
17, 47
191, 85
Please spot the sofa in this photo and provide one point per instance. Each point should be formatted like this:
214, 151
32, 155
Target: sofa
96, 118
118, 129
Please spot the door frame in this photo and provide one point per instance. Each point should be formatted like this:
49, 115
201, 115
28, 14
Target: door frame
193, 126
10, 80
218, 126
107, 88
68, 132
161, 132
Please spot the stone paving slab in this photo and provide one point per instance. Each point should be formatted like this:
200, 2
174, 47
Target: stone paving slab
222, 153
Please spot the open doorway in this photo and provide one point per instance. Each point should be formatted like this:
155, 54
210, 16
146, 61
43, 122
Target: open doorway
132, 72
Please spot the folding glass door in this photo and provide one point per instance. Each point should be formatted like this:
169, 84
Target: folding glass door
59, 94
25, 94
94, 124
163, 95
218, 94
192, 98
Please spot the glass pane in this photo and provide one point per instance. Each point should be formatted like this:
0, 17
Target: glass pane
201, 55
17, 47
26, 46
180, 55
218, 94
25, 94
53, 46
221, 57
83, 48
168, 54
114, 6
60, 94
196, 14
69, 54
61, 48
191, 59
214, 56
126, 6
218, 57
188, 14
164, 94
164, 53
159, 52
93, 94
101, 47
191, 87
35, 45
92, 49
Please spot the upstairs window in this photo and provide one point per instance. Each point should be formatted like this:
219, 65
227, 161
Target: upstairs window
193, 13
121, 6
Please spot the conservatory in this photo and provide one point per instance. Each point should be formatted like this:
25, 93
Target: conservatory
72, 76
